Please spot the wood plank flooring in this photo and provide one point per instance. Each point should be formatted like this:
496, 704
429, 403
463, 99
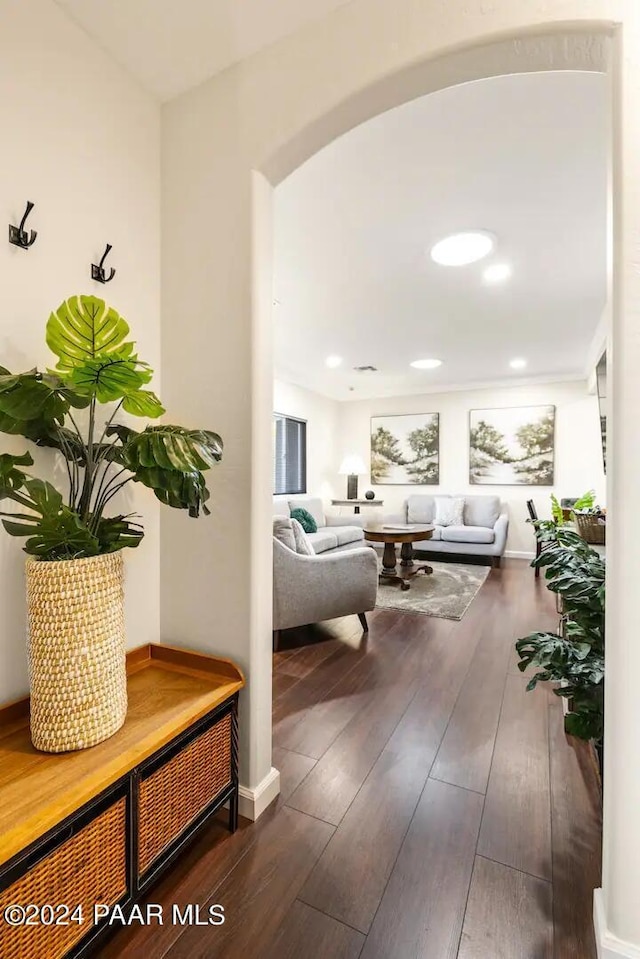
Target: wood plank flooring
430, 806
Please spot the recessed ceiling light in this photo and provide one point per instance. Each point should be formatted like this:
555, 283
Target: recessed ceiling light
333, 361
496, 273
462, 248
517, 364
426, 364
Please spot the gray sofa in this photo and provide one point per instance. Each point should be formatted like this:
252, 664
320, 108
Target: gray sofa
484, 533
335, 533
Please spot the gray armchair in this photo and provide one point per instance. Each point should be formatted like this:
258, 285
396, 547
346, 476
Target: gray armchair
310, 589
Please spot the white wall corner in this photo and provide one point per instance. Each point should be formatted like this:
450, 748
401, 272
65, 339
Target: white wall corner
608, 945
253, 802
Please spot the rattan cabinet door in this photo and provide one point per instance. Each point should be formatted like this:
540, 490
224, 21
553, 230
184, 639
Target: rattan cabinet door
173, 796
89, 867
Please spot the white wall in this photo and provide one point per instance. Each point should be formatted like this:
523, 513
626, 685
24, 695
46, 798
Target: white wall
578, 449
82, 141
323, 439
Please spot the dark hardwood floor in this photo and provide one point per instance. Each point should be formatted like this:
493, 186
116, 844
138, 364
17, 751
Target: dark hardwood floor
430, 806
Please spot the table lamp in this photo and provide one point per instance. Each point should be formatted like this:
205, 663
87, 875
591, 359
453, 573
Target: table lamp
352, 467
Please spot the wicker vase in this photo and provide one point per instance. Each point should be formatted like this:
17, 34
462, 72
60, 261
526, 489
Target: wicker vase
76, 651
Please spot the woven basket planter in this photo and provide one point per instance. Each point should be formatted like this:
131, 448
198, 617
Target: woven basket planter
77, 661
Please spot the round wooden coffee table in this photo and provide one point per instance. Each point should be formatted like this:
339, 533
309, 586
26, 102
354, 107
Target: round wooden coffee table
392, 572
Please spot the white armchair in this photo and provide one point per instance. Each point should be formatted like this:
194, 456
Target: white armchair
310, 589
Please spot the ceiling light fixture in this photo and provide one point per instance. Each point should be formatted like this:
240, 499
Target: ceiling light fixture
333, 362
462, 248
497, 273
430, 364
517, 364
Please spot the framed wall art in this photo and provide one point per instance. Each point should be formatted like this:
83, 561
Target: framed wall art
405, 449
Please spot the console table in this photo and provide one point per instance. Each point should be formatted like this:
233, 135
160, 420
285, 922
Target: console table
98, 826
357, 503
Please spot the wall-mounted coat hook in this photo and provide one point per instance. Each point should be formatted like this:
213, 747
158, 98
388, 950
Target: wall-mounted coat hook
18, 235
98, 271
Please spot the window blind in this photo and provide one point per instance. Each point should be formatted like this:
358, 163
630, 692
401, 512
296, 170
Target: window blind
290, 455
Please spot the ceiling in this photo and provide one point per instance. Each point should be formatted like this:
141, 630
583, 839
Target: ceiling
524, 157
172, 45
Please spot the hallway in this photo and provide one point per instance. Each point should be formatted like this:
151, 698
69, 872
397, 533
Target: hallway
430, 806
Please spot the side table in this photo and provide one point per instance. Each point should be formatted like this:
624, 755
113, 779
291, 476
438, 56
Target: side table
357, 503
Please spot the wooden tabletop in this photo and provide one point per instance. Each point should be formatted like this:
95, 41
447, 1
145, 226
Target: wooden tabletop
414, 534
169, 689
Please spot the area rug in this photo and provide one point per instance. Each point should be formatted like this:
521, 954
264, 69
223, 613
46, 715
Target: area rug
447, 593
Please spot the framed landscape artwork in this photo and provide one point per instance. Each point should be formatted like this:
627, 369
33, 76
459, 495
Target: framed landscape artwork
512, 447
405, 449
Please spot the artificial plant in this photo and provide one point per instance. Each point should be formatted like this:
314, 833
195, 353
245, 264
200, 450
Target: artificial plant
96, 365
574, 656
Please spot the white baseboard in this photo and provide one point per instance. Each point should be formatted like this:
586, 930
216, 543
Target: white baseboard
518, 554
608, 945
253, 802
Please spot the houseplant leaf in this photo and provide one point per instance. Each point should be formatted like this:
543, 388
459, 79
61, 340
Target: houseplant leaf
109, 377
84, 327
143, 403
173, 448
181, 490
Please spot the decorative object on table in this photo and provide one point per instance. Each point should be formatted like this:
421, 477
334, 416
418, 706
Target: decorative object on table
446, 594
352, 467
574, 656
369, 494
305, 519
589, 518
18, 235
405, 536
405, 449
98, 271
512, 446
74, 581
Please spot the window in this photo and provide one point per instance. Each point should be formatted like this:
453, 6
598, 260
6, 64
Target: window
290, 460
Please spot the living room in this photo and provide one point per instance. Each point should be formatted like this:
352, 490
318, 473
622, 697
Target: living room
441, 388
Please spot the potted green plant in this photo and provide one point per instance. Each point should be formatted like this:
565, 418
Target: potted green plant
574, 656
74, 545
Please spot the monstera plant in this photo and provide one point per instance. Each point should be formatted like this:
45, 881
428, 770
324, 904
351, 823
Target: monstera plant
74, 569
58, 408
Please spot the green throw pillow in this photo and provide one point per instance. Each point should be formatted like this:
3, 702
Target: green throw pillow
305, 519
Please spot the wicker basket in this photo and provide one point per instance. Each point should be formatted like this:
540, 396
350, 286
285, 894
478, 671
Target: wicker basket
76, 651
591, 528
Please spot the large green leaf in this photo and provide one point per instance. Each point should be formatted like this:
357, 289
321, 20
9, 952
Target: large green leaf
173, 448
13, 479
54, 531
143, 403
26, 396
109, 377
84, 327
177, 489
117, 532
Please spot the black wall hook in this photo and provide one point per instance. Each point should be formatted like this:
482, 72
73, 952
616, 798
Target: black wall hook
18, 235
98, 272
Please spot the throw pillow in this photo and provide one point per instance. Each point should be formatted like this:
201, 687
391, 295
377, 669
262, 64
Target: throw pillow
303, 543
449, 511
305, 519
283, 531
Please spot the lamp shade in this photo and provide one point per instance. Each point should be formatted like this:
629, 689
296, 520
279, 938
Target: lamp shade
353, 466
